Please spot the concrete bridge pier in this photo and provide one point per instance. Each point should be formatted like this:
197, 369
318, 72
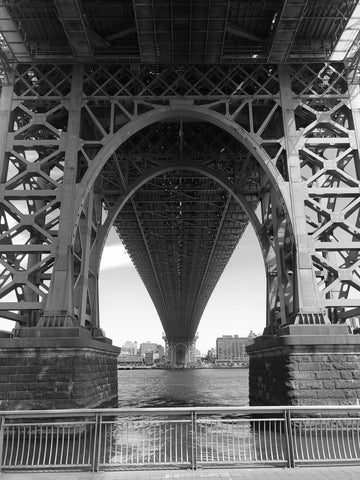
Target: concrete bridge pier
305, 365
53, 367
180, 352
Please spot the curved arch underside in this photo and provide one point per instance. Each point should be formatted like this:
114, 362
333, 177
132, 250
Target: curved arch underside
181, 227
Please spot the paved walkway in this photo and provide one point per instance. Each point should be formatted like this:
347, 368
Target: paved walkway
300, 473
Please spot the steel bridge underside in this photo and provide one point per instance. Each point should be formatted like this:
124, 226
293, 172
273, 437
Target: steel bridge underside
185, 181
181, 227
179, 123
173, 32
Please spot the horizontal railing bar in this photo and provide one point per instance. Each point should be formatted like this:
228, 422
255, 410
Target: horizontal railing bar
148, 422
328, 460
174, 411
48, 424
242, 420
53, 466
320, 419
249, 462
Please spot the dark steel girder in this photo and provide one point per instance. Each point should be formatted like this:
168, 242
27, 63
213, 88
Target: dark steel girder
286, 27
72, 18
174, 31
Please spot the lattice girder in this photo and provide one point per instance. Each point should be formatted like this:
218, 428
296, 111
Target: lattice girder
109, 131
328, 154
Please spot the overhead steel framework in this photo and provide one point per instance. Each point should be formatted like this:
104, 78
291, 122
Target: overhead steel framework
173, 31
178, 123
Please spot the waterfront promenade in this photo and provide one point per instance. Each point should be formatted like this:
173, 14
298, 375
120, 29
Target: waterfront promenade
303, 473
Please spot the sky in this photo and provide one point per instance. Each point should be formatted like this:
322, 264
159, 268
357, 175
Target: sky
236, 306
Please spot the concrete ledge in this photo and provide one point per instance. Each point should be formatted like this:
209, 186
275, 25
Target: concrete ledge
60, 342
56, 332
314, 330
301, 335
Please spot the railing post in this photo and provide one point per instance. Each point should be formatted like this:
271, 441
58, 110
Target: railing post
193, 441
97, 443
289, 439
2, 431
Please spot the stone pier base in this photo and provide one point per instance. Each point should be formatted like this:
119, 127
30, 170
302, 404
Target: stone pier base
305, 365
56, 368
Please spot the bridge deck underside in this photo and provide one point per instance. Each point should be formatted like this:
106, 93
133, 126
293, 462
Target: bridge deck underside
181, 227
173, 31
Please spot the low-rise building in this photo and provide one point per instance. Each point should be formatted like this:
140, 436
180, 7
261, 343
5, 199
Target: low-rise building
128, 361
129, 348
231, 351
149, 358
148, 347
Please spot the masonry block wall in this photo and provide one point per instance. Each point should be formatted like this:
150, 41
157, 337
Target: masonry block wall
304, 372
35, 377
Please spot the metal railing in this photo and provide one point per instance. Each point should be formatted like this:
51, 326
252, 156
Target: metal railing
102, 439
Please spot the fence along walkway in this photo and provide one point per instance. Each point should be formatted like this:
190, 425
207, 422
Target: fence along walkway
108, 439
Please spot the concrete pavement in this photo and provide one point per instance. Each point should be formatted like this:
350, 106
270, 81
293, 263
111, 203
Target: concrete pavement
300, 473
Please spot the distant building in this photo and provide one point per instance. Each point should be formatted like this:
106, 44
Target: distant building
230, 350
211, 355
148, 347
129, 348
125, 361
149, 358
161, 351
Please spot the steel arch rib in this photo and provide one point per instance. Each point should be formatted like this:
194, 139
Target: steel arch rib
189, 166
166, 113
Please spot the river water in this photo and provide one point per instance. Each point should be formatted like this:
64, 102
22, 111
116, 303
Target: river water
183, 388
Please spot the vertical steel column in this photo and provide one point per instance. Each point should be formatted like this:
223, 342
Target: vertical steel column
6, 98
61, 293
278, 247
5, 110
83, 299
307, 297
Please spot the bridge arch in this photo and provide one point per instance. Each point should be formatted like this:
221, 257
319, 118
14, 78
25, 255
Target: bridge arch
271, 263
170, 112
268, 248
185, 166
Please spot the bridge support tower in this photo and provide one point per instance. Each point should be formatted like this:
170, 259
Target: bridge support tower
68, 171
180, 352
314, 359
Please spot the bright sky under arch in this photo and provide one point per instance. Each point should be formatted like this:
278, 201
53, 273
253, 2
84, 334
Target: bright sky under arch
237, 305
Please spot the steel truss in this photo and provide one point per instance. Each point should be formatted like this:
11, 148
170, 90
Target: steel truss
179, 159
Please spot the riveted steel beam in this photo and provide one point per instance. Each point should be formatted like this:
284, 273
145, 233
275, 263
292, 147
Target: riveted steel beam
73, 20
286, 24
17, 49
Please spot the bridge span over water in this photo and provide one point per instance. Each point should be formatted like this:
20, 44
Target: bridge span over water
178, 123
